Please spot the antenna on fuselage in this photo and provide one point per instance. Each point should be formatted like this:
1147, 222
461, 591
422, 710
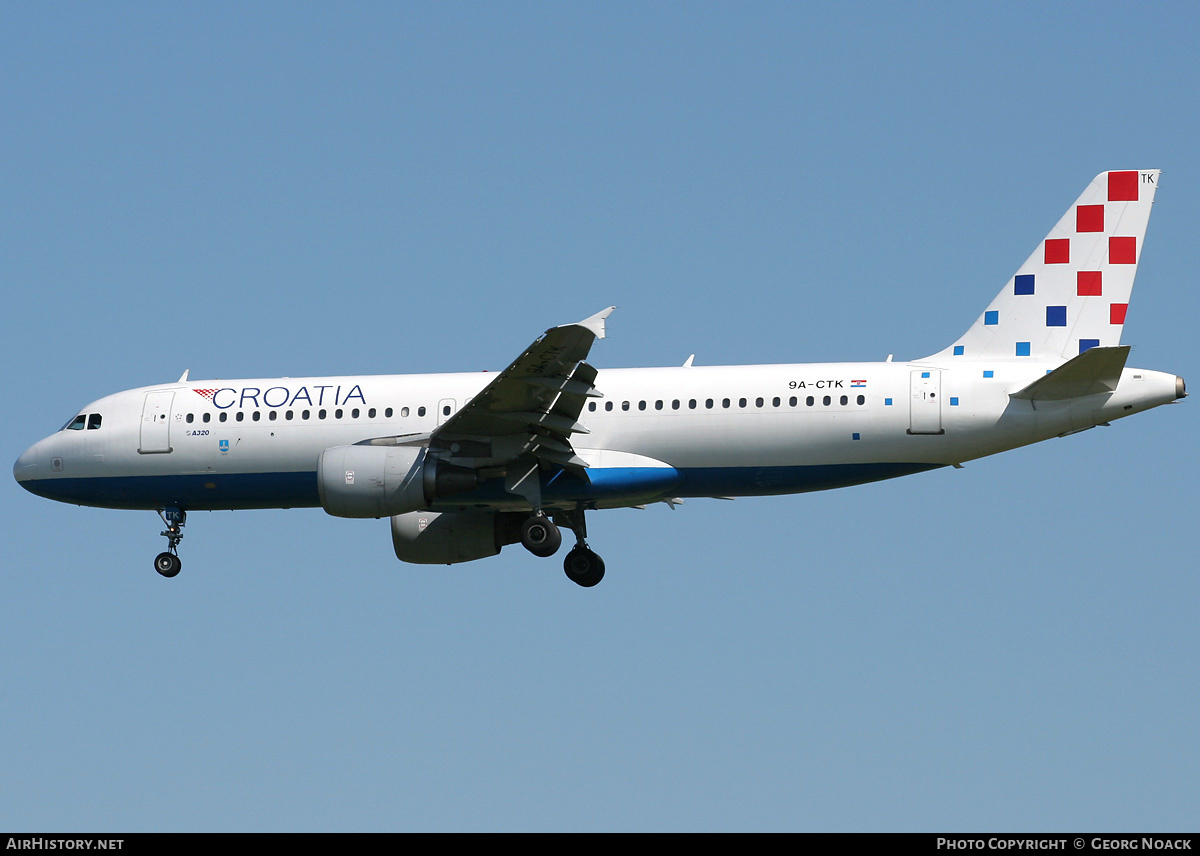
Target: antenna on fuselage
183, 377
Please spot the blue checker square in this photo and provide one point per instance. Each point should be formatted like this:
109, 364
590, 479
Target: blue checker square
924, 374
856, 436
958, 350
954, 401
1022, 349
988, 373
991, 318
1023, 284
1056, 316
1088, 344
887, 402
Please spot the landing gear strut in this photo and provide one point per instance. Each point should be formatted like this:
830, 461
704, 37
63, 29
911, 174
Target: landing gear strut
582, 566
167, 563
542, 536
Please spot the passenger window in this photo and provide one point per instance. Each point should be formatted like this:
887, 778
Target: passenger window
240, 416
862, 399
624, 405
388, 413
371, 413
724, 402
288, 416
272, 415
403, 412
354, 413
224, 417
592, 406
792, 401
826, 401
810, 401
758, 402
256, 416
675, 404
741, 402
188, 418
844, 400
321, 414
207, 417
708, 404
608, 405
337, 414
691, 404
420, 411
93, 421
304, 414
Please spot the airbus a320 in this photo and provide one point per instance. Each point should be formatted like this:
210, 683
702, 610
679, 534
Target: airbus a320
465, 464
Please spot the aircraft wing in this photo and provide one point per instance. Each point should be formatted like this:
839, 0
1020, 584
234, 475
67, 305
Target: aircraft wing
525, 417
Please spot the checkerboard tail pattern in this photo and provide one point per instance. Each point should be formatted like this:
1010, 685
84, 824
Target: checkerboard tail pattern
1072, 293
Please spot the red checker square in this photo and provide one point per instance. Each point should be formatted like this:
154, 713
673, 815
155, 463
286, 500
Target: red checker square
1116, 313
1089, 218
1122, 251
1058, 251
1088, 283
1123, 186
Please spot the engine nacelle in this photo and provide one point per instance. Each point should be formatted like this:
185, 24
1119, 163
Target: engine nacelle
433, 538
381, 481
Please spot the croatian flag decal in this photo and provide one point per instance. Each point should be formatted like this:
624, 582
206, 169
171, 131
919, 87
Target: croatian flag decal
858, 383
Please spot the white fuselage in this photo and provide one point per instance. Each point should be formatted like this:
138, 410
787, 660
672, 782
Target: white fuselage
657, 433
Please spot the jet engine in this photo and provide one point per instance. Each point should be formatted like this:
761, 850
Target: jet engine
380, 481
433, 538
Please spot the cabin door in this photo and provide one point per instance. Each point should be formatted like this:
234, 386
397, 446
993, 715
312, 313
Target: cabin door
925, 402
156, 423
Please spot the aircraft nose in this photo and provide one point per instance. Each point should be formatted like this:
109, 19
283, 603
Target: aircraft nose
25, 468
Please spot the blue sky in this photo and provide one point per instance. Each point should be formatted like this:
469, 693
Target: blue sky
298, 189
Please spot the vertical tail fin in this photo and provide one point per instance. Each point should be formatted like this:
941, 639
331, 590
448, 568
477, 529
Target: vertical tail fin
1073, 292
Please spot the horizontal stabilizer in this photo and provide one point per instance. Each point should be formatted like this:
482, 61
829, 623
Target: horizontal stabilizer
1097, 370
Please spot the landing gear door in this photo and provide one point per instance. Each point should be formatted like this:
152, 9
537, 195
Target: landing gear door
156, 423
925, 402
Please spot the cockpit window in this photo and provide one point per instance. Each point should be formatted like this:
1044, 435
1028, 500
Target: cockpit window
93, 421
76, 424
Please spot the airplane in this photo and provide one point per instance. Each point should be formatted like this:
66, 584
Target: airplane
464, 464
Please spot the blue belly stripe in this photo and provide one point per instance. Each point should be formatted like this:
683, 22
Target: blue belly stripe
201, 492
213, 492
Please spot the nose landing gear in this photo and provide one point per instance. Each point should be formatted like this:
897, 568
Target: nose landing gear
167, 563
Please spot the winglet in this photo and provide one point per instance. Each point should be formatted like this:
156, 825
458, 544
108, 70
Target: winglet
595, 323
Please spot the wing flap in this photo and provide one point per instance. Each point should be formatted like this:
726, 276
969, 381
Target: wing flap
525, 417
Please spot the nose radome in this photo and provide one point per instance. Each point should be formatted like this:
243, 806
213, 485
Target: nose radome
26, 466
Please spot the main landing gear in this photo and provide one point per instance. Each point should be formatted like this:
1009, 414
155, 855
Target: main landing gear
541, 536
167, 563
